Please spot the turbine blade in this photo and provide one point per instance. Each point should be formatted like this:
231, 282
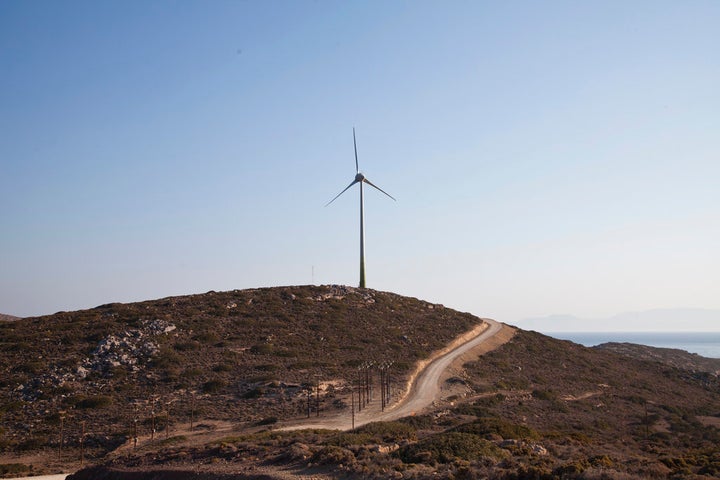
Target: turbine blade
353, 183
357, 165
378, 188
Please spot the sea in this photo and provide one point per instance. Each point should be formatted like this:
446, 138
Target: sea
706, 344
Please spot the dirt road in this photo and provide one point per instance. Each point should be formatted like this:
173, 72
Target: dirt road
423, 388
424, 384
60, 476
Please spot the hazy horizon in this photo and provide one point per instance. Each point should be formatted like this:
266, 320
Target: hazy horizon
673, 320
550, 157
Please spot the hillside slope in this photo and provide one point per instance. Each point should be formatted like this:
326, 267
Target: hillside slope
534, 408
241, 357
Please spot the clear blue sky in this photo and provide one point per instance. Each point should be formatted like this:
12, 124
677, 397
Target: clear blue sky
547, 157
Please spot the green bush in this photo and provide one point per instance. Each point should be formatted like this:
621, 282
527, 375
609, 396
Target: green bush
222, 367
186, 346
166, 358
490, 425
268, 367
191, 373
268, 421
388, 431
31, 367
14, 468
448, 446
570, 469
544, 394
206, 337
262, 349
12, 406
213, 386
332, 455
254, 393
98, 401
418, 422
33, 443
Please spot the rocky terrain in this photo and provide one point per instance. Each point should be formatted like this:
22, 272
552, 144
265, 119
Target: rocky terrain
8, 318
206, 382
88, 379
534, 408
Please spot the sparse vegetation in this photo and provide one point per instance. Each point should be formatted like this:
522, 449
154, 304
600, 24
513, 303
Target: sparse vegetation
534, 408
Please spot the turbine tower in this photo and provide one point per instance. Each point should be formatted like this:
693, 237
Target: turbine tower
360, 178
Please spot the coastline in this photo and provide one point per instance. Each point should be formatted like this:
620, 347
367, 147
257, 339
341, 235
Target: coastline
705, 344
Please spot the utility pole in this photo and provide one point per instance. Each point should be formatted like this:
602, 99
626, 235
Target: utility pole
368, 379
382, 388
352, 403
192, 409
384, 368
309, 396
167, 419
135, 426
317, 397
82, 444
62, 432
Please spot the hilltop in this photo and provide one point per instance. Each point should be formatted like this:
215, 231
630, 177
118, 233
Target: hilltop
8, 318
240, 365
243, 357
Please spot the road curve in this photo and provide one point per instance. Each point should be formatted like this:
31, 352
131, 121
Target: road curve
426, 387
423, 390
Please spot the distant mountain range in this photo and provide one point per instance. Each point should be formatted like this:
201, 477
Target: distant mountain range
660, 320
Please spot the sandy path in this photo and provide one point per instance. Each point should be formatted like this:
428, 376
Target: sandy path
424, 385
60, 476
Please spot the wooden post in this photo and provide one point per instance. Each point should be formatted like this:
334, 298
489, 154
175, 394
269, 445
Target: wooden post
62, 433
309, 395
368, 382
135, 425
192, 410
82, 444
317, 398
367, 385
352, 403
382, 388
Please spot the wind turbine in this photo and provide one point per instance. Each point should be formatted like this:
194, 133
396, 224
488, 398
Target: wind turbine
360, 178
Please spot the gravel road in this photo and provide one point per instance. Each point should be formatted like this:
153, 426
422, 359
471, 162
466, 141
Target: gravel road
424, 386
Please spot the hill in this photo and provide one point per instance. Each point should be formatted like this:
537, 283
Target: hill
669, 356
241, 357
535, 407
8, 318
